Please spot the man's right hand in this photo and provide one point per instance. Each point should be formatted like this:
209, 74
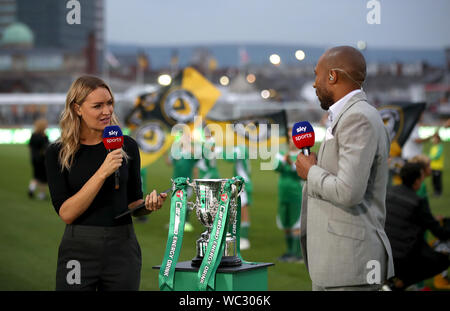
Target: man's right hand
304, 163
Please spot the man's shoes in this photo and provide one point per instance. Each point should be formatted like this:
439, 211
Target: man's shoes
244, 244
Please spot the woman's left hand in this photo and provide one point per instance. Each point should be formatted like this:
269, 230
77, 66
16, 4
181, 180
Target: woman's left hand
154, 201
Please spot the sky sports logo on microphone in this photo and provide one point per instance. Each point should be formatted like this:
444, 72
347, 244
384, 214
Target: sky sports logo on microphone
114, 140
303, 134
112, 137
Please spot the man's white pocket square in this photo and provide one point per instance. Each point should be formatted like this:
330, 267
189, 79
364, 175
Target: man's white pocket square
328, 134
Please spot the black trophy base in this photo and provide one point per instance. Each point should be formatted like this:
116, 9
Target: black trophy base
227, 261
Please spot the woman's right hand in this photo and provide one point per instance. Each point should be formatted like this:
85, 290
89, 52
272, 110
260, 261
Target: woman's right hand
112, 162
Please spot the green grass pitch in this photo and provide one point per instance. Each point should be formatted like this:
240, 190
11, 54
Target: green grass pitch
30, 230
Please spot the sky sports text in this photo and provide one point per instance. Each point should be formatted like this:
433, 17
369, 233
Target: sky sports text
228, 142
114, 140
303, 136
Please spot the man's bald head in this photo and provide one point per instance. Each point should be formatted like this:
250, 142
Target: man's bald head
348, 59
339, 71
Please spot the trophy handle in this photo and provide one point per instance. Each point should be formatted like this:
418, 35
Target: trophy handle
192, 184
242, 189
234, 191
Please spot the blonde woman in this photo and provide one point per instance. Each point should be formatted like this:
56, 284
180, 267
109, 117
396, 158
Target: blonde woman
97, 252
38, 144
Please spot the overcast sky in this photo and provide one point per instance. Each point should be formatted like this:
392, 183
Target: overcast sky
403, 23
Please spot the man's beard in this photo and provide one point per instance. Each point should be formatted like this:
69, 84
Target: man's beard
325, 98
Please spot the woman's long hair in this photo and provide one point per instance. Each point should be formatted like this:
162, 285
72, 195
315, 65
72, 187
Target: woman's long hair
70, 122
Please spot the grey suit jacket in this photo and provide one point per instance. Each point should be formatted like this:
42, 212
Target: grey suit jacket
343, 208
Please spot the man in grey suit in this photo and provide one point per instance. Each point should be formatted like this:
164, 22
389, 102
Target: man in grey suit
343, 212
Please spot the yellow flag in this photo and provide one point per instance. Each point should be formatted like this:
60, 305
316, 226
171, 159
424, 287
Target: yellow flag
190, 95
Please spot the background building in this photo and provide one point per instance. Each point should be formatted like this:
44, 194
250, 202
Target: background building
38, 42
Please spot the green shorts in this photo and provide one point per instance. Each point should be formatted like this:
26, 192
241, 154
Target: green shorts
288, 216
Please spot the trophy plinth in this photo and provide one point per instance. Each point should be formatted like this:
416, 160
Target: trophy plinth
208, 193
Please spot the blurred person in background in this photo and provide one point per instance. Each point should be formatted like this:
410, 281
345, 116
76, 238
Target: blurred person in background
441, 280
97, 251
183, 162
437, 163
290, 187
38, 145
206, 167
424, 162
414, 144
242, 167
407, 219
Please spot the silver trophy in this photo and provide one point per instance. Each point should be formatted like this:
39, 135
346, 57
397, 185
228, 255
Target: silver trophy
206, 205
